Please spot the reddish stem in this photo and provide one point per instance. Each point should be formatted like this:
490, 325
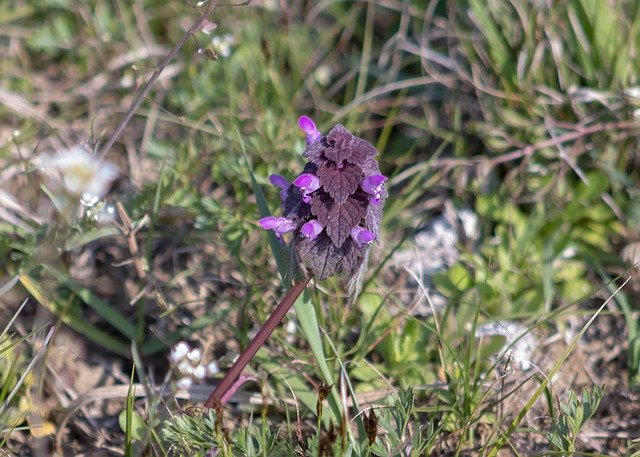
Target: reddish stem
215, 399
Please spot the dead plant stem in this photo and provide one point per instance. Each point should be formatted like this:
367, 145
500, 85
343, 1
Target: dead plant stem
144, 90
215, 400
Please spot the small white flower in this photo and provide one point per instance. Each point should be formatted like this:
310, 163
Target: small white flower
105, 214
184, 383
199, 372
179, 352
195, 355
81, 173
89, 200
213, 369
185, 368
292, 326
223, 44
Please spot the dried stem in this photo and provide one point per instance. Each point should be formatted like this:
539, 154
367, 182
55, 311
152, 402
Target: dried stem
215, 400
526, 151
144, 90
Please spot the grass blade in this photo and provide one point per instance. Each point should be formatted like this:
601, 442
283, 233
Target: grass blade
502, 441
41, 352
79, 325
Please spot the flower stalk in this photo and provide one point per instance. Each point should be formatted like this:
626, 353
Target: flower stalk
218, 397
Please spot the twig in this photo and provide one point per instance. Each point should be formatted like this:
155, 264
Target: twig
144, 90
130, 231
529, 150
216, 398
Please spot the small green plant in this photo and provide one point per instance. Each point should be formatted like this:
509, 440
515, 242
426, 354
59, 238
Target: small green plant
404, 432
193, 433
574, 413
634, 448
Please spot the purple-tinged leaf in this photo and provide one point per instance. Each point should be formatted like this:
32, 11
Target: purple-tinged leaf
369, 167
362, 150
373, 219
315, 152
326, 259
339, 141
343, 146
340, 183
338, 218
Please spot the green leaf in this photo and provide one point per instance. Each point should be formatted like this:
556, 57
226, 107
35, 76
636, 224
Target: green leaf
81, 239
459, 277
79, 325
309, 326
274, 244
102, 308
137, 427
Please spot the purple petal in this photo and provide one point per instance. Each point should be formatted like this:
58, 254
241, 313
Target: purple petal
309, 128
362, 235
306, 124
311, 229
279, 181
268, 223
307, 182
373, 184
285, 225
279, 225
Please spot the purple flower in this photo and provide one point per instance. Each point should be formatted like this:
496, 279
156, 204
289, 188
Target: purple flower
373, 185
278, 181
282, 183
308, 184
362, 235
309, 127
311, 229
334, 208
280, 225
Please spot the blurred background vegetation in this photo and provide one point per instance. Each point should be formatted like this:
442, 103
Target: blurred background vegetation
525, 113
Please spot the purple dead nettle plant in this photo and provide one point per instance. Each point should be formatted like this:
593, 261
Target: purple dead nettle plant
334, 208
333, 211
